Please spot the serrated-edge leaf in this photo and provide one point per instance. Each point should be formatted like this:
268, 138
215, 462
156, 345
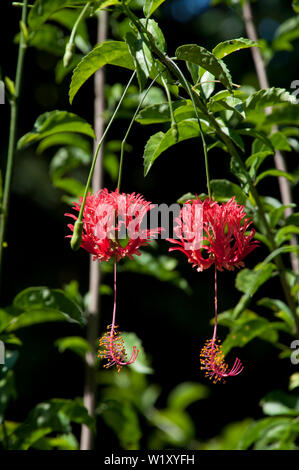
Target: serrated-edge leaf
108, 52
201, 56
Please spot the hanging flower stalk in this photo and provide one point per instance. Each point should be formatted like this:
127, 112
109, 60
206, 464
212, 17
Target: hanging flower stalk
209, 234
112, 229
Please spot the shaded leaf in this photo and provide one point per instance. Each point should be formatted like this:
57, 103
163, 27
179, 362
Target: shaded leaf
201, 56
54, 122
151, 6
77, 344
185, 394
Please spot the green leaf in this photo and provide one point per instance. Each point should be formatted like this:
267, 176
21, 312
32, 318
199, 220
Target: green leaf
70, 185
285, 233
67, 159
294, 381
141, 364
275, 173
175, 426
43, 9
280, 403
122, 418
157, 113
77, 344
141, 56
208, 61
295, 5
160, 267
185, 394
108, 52
64, 138
106, 3
266, 98
150, 6
7, 392
250, 280
261, 428
50, 39
227, 47
41, 304
223, 190
287, 32
281, 310
154, 30
243, 333
160, 142
51, 416
54, 122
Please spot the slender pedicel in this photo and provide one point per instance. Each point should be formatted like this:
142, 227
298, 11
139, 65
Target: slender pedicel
112, 344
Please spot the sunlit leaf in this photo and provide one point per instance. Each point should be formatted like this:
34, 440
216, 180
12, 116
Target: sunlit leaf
227, 47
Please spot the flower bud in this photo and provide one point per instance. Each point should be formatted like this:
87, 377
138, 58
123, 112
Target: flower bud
76, 239
68, 55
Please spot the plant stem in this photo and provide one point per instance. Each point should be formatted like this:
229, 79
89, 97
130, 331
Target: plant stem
89, 397
260, 67
173, 68
122, 149
171, 65
12, 134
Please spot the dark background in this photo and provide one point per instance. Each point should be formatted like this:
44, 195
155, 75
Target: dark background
172, 325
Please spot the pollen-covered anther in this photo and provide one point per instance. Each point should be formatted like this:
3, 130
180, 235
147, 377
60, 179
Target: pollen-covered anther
212, 361
111, 348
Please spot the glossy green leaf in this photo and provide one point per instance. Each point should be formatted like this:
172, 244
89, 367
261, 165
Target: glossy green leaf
185, 394
266, 98
280, 403
64, 138
43, 9
160, 142
54, 122
241, 334
223, 190
287, 32
41, 304
141, 56
249, 280
151, 6
275, 173
77, 344
280, 308
227, 47
285, 233
201, 56
70, 185
108, 52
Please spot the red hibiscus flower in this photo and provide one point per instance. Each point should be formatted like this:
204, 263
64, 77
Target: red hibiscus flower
212, 233
112, 224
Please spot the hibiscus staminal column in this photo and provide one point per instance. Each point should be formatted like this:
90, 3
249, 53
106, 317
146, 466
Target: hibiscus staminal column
212, 357
112, 345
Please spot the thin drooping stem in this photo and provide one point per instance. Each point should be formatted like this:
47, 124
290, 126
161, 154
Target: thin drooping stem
12, 134
175, 70
122, 149
172, 66
260, 67
216, 306
93, 323
71, 43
